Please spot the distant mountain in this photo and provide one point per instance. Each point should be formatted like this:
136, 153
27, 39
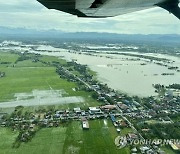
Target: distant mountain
23, 32
57, 34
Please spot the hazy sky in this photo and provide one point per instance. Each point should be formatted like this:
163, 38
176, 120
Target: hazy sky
31, 14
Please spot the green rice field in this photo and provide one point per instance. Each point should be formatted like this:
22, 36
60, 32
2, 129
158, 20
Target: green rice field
26, 76
66, 139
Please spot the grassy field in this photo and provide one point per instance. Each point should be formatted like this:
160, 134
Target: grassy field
66, 139
168, 150
8, 57
26, 76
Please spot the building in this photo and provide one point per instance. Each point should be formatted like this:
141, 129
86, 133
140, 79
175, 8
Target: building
175, 146
59, 112
118, 130
77, 110
132, 136
113, 118
123, 106
176, 93
109, 107
143, 149
93, 110
85, 124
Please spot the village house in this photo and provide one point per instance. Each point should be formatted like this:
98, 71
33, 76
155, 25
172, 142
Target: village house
3, 124
32, 127
94, 110
118, 130
175, 146
121, 123
85, 124
77, 110
122, 106
143, 149
108, 107
60, 112
132, 136
134, 150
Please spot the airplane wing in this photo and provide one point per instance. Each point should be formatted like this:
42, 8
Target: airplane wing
109, 8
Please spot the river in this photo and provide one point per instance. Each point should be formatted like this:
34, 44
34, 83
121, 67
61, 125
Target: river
125, 73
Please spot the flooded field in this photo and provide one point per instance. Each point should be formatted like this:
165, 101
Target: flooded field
43, 97
126, 73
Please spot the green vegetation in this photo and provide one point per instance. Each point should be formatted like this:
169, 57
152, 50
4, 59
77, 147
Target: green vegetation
26, 74
174, 86
175, 117
8, 57
50, 59
157, 130
7, 138
125, 131
68, 138
168, 150
160, 89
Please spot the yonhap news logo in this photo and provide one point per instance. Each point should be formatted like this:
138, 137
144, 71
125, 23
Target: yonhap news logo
122, 141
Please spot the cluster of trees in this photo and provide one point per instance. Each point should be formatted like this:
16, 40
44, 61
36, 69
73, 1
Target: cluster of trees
158, 86
82, 69
5, 62
173, 68
161, 131
16, 121
2, 74
143, 56
27, 56
174, 86
24, 136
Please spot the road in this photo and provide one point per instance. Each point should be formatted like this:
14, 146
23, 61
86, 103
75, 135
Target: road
89, 86
129, 123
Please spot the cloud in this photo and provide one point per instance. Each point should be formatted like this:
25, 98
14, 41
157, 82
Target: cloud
20, 6
31, 14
